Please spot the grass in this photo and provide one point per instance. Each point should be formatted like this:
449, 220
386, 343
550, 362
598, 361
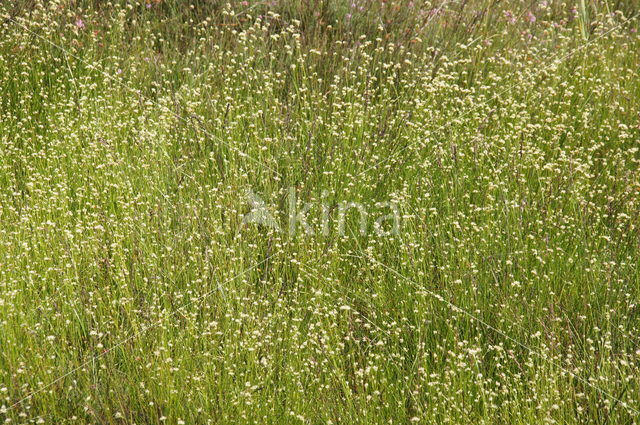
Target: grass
501, 137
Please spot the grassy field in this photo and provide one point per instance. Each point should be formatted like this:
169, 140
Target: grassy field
320, 212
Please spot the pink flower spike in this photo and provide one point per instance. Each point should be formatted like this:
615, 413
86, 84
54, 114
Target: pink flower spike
80, 23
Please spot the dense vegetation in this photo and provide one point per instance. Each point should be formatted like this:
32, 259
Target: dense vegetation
465, 181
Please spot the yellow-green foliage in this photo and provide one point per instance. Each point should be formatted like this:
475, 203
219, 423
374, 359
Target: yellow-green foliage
504, 136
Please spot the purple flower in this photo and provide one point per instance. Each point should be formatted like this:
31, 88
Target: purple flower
531, 17
80, 23
509, 16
